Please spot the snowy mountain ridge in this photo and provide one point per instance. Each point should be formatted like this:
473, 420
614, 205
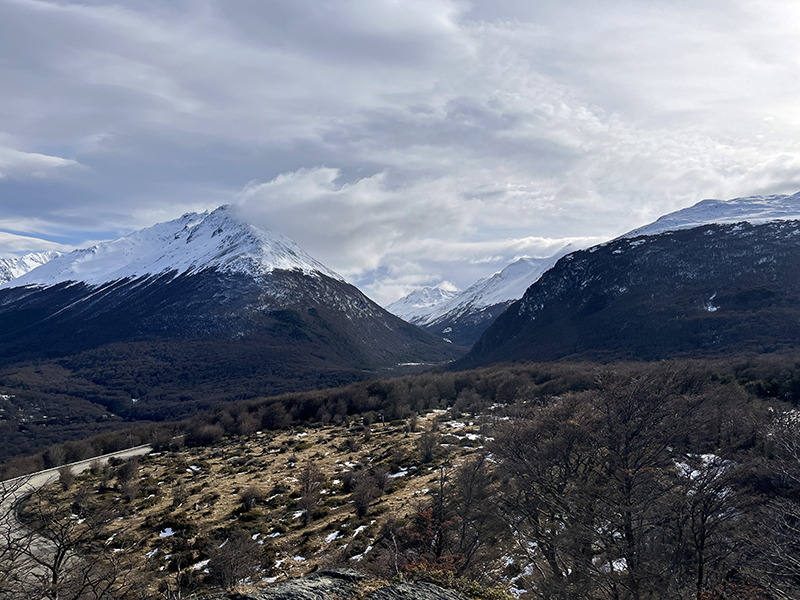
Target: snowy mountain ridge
471, 311
11, 268
420, 302
502, 287
195, 242
753, 209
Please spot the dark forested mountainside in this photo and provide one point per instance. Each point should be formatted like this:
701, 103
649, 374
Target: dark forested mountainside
331, 318
77, 359
712, 290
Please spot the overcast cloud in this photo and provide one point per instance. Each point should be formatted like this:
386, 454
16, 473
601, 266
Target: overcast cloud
401, 142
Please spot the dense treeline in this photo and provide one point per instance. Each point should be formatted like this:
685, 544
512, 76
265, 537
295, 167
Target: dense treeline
767, 378
387, 399
47, 403
771, 377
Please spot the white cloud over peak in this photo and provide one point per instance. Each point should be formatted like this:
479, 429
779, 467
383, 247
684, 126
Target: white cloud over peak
12, 245
390, 239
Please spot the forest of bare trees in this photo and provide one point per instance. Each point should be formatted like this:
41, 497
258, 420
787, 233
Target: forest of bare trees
658, 483
628, 482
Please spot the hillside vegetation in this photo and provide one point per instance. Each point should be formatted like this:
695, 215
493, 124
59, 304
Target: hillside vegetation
663, 480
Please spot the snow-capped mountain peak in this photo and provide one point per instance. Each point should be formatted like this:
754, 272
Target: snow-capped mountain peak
419, 302
464, 315
504, 286
11, 268
753, 209
218, 240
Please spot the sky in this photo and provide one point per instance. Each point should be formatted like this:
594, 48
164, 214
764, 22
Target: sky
402, 143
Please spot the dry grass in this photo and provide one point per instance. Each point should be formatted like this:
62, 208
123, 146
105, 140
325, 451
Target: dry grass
197, 492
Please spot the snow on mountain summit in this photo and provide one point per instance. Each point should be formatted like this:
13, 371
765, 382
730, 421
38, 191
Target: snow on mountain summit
753, 209
502, 287
11, 268
218, 240
460, 317
420, 302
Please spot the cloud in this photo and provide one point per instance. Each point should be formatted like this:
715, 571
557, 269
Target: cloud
400, 143
12, 244
355, 225
15, 163
389, 239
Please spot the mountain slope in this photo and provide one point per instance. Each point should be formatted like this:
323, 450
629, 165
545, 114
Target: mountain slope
11, 268
203, 308
463, 317
752, 209
691, 292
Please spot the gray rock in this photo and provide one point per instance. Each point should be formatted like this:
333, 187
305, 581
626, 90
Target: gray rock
414, 591
338, 584
342, 584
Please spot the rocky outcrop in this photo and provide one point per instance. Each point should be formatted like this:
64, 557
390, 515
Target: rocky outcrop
414, 591
341, 584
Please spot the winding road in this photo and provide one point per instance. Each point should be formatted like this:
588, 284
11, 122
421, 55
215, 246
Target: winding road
14, 490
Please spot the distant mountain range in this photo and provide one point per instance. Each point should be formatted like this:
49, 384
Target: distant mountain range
11, 268
209, 307
715, 278
461, 317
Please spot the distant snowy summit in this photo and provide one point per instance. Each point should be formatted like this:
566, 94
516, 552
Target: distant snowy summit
461, 317
504, 286
12, 268
417, 306
752, 209
219, 240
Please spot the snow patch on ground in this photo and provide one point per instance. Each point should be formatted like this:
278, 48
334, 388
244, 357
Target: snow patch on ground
360, 557
332, 536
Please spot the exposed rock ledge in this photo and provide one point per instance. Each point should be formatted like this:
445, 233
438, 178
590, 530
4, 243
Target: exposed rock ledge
347, 584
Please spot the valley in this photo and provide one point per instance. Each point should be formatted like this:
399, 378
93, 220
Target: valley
567, 458
623, 428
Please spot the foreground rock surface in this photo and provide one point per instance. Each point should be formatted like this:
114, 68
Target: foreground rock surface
414, 591
347, 584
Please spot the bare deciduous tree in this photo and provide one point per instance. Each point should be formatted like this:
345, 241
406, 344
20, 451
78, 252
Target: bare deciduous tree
363, 494
69, 555
235, 559
311, 480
